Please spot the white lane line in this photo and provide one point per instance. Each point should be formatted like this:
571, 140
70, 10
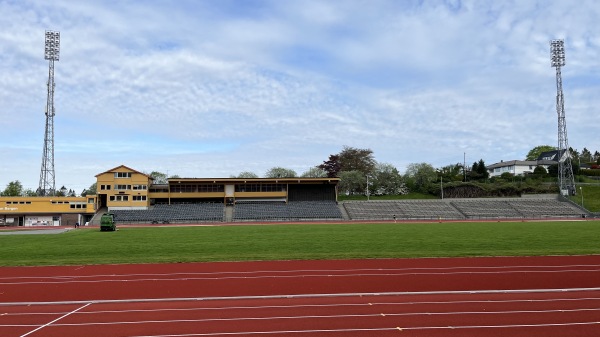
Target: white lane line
317, 306
376, 329
328, 271
313, 317
63, 281
56, 320
297, 296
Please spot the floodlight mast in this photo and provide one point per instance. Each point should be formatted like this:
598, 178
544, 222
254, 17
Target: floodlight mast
51, 53
566, 180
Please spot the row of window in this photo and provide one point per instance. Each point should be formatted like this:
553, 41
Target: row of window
260, 188
188, 188
122, 174
55, 202
124, 187
504, 169
126, 198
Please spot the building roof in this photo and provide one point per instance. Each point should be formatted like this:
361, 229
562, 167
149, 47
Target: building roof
253, 180
513, 162
114, 169
550, 155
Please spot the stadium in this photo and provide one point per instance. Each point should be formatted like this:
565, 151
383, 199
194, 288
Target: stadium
134, 199
291, 257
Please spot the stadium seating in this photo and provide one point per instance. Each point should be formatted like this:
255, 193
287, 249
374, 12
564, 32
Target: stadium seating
493, 208
448, 209
291, 211
401, 209
177, 213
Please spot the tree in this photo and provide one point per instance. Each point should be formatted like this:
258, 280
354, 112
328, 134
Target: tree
450, 173
29, 193
352, 182
575, 156
418, 177
332, 166
13, 189
246, 174
314, 172
89, 191
540, 171
349, 159
353, 159
387, 181
62, 192
159, 177
586, 155
280, 172
534, 153
553, 170
479, 171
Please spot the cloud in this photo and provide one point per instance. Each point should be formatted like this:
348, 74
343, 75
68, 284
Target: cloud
216, 88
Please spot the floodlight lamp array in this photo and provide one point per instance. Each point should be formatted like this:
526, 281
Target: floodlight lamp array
52, 50
557, 53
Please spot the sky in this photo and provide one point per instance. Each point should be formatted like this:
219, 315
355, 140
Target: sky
213, 88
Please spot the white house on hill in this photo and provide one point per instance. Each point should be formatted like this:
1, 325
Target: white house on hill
522, 167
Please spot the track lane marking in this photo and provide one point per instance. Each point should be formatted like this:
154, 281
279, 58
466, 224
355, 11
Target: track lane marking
311, 317
324, 305
62, 277
64, 281
56, 320
297, 296
375, 329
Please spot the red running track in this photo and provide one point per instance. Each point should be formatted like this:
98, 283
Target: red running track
526, 296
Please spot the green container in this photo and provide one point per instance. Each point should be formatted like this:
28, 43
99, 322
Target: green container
107, 222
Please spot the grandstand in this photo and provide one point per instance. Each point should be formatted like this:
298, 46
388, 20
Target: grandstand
400, 209
327, 210
178, 213
291, 211
457, 209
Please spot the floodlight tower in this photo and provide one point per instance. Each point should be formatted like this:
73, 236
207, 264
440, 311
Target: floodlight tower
566, 181
52, 53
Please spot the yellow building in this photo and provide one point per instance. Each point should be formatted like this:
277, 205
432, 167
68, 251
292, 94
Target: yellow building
46, 211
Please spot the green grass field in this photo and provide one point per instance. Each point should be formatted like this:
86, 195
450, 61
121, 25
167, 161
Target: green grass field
289, 242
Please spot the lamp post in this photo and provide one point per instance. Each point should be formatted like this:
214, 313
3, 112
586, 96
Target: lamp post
581, 191
367, 187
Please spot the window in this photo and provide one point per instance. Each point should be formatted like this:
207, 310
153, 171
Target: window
122, 174
259, 187
104, 187
119, 198
161, 189
76, 205
139, 198
140, 187
122, 187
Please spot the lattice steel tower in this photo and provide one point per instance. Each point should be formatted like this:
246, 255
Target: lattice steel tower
566, 181
52, 53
